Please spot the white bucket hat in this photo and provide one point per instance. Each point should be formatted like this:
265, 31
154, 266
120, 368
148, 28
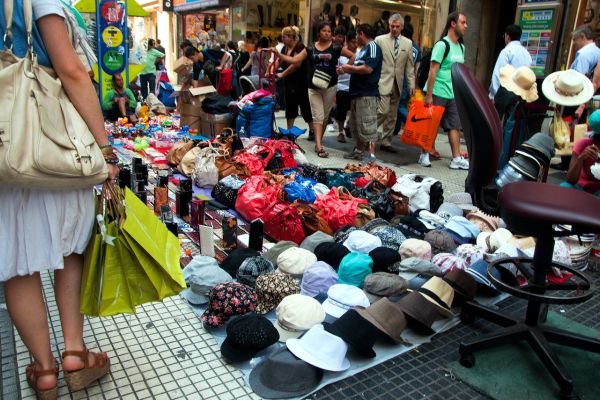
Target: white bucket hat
520, 81
321, 349
296, 314
342, 297
568, 88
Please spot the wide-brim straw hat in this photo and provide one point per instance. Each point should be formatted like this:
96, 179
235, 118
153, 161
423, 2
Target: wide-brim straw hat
520, 81
568, 88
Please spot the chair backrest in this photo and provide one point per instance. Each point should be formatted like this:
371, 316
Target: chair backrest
481, 126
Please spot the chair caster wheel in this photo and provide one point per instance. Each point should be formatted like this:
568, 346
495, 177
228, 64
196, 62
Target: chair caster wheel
467, 360
467, 318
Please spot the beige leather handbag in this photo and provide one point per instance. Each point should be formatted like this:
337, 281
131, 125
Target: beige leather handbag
44, 142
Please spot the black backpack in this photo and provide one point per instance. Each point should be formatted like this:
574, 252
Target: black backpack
423, 72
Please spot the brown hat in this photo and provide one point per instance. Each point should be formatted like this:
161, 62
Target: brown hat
383, 284
271, 288
464, 285
420, 310
440, 294
386, 316
440, 241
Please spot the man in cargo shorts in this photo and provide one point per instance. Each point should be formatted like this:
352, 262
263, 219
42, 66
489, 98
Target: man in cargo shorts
364, 92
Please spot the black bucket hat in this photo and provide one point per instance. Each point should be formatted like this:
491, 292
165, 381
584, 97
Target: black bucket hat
359, 333
282, 375
246, 336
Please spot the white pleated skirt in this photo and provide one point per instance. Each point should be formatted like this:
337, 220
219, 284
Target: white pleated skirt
40, 227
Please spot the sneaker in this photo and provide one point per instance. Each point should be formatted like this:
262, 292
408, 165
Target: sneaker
354, 155
331, 128
311, 136
369, 159
459, 163
424, 160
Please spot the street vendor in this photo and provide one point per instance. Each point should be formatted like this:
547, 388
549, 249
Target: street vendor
586, 154
120, 101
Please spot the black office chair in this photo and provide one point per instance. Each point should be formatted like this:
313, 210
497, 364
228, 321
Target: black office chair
530, 209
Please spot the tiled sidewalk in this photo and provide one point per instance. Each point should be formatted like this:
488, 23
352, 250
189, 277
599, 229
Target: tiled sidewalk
162, 352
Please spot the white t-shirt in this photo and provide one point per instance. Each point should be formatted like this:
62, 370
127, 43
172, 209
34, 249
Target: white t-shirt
41, 8
343, 84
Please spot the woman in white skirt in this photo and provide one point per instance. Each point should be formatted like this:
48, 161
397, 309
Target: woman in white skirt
49, 229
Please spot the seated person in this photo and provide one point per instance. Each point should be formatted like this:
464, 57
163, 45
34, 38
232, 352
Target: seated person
120, 101
586, 152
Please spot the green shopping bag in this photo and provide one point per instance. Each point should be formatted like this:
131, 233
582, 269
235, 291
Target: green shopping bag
104, 286
156, 249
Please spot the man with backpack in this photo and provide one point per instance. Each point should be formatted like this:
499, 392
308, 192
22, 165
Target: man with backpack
438, 88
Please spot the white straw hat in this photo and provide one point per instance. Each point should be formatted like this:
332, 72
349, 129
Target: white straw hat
520, 81
568, 88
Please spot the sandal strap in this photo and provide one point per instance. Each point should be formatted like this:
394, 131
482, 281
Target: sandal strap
37, 373
100, 359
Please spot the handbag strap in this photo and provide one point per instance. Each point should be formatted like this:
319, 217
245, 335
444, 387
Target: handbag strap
28, 18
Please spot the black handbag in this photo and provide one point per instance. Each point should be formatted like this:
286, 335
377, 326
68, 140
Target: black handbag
378, 196
226, 190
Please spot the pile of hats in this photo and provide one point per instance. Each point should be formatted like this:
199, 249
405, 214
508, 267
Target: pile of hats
340, 293
319, 336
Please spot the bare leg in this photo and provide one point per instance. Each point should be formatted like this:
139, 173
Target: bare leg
67, 293
318, 130
27, 310
454, 138
290, 122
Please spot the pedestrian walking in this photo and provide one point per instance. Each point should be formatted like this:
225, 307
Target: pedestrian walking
365, 73
323, 59
398, 62
445, 52
148, 75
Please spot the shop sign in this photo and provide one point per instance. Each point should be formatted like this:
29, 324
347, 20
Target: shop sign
187, 5
537, 35
111, 17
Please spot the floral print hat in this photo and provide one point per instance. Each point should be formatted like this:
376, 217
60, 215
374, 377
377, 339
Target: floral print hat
226, 300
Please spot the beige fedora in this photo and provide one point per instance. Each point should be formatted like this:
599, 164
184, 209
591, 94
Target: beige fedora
520, 81
568, 88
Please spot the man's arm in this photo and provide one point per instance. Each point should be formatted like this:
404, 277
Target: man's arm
108, 100
409, 68
495, 83
433, 70
355, 69
131, 97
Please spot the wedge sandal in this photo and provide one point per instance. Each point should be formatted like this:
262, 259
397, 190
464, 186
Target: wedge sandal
81, 378
33, 374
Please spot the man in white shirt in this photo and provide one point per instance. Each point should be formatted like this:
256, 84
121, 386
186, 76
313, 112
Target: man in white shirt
586, 58
515, 54
588, 53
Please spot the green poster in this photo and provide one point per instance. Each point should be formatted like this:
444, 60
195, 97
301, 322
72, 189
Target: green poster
537, 24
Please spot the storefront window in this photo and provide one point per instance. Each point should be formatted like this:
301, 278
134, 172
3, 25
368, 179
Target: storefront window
207, 29
418, 13
256, 18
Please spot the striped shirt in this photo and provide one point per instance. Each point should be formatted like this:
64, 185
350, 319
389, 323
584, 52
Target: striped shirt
363, 85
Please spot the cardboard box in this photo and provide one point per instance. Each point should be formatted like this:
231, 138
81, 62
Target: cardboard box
183, 66
196, 95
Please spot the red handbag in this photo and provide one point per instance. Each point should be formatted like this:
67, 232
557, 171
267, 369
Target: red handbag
255, 196
339, 207
282, 222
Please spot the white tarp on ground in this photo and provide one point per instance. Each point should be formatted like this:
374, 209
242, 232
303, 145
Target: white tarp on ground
384, 350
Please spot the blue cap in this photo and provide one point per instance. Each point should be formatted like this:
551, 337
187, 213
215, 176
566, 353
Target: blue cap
594, 122
354, 268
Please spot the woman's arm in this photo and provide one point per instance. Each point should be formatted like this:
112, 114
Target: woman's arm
74, 77
249, 63
297, 59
